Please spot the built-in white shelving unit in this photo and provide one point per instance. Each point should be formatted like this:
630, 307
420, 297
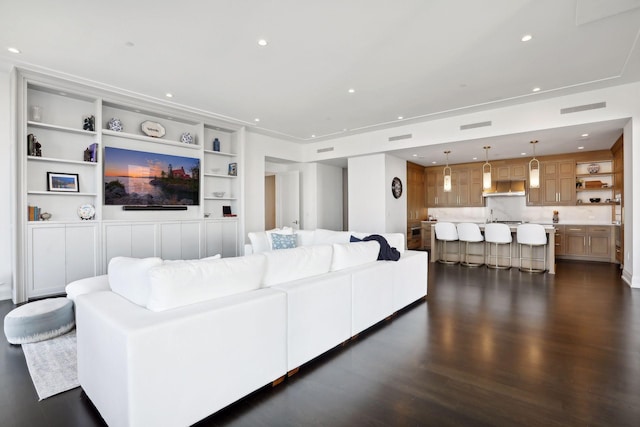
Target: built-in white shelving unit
61, 107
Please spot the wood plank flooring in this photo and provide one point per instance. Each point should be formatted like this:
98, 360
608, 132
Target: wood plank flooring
487, 347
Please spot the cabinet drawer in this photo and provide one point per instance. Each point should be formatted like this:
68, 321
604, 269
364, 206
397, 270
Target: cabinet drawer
599, 229
575, 229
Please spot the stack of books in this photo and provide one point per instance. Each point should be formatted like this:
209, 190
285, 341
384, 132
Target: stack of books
34, 213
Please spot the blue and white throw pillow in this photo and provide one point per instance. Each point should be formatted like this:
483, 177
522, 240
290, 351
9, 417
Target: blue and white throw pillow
283, 241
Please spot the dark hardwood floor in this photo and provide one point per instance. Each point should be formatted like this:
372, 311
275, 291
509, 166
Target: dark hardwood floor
488, 347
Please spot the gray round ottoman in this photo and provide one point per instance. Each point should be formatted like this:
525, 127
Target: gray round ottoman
39, 320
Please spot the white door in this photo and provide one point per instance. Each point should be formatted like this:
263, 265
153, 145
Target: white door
288, 199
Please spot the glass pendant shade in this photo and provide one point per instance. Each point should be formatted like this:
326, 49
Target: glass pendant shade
486, 171
534, 173
447, 174
534, 169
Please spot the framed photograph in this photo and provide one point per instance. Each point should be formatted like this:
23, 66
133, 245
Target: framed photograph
63, 182
233, 169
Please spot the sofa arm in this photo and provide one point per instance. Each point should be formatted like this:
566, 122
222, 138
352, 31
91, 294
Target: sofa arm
85, 286
175, 367
248, 248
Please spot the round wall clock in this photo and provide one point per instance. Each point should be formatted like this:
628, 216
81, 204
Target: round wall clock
396, 187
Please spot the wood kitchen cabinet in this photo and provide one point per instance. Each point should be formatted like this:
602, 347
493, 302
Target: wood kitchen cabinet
559, 240
466, 187
588, 242
416, 206
557, 184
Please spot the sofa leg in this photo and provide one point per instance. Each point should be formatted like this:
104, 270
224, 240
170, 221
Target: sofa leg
293, 372
278, 381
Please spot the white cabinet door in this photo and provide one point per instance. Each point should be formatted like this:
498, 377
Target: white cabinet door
180, 240
47, 260
221, 238
130, 240
60, 254
80, 251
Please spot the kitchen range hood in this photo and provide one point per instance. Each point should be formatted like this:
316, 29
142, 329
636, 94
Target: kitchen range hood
506, 188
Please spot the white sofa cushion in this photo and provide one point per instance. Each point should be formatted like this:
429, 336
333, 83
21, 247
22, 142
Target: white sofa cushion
259, 241
87, 285
328, 237
128, 277
305, 237
188, 282
346, 255
287, 265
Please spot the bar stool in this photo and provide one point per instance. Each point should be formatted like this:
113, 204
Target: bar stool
469, 232
446, 232
497, 234
532, 235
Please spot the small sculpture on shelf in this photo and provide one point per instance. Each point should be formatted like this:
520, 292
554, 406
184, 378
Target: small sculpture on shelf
45, 216
216, 144
555, 217
89, 123
87, 155
33, 146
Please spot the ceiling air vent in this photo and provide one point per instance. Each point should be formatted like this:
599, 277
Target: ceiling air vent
400, 137
475, 125
324, 150
583, 108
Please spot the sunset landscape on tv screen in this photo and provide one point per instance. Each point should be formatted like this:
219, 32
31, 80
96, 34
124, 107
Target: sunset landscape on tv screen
143, 178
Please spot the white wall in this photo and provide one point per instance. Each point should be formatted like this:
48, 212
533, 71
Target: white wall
329, 197
7, 180
366, 193
396, 209
372, 207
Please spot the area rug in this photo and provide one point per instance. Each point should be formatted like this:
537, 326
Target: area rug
53, 364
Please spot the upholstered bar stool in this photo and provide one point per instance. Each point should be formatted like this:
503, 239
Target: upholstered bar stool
497, 235
446, 232
532, 235
469, 232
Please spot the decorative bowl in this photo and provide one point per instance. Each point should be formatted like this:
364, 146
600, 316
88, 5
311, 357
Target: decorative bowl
218, 193
593, 168
595, 200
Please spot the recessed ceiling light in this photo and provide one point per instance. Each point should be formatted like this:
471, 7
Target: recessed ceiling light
313, 136
580, 148
523, 154
137, 111
13, 50
262, 42
352, 90
584, 135
63, 93
168, 95
526, 37
434, 162
535, 89
256, 120
415, 155
400, 117
475, 158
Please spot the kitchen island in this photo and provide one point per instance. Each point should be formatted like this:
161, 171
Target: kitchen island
477, 250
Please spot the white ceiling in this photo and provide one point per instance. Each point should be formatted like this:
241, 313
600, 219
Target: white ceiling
417, 59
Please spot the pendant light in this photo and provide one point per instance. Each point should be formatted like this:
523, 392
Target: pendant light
486, 170
447, 174
534, 169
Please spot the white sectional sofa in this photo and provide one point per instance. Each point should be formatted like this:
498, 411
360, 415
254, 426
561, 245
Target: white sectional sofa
174, 342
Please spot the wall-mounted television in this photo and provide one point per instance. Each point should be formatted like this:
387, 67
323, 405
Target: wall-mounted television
140, 178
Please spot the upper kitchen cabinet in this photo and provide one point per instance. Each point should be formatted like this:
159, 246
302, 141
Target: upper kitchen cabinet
557, 184
466, 187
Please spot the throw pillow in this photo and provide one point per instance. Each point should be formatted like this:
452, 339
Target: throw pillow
283, 241
128, 277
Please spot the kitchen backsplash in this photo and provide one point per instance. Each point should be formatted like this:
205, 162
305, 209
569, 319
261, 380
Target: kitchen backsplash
515, 209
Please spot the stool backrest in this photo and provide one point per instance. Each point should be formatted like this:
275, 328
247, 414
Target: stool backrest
531, 234
469, 232
497, 233
446, 231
